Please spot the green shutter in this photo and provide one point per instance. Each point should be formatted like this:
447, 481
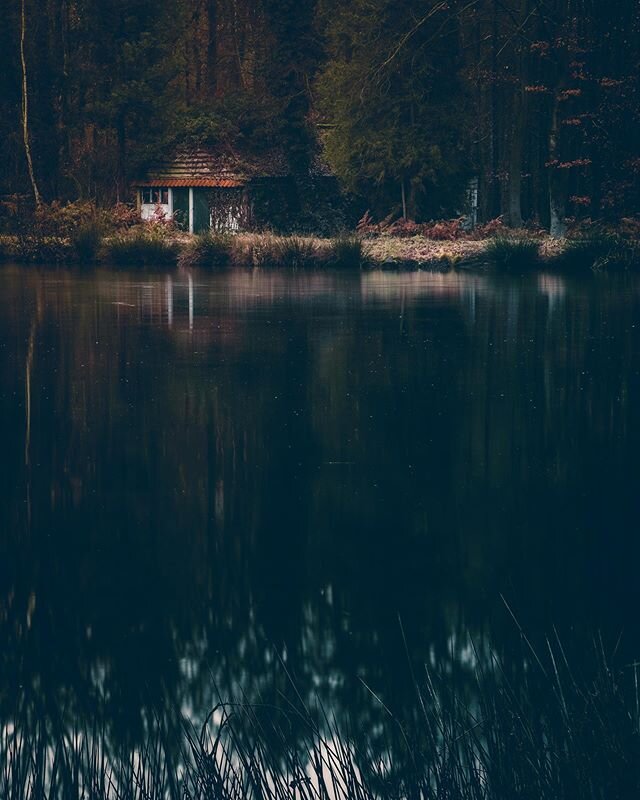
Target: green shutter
201, 211
181, 208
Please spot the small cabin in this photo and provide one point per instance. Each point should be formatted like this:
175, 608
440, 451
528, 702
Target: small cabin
203, 190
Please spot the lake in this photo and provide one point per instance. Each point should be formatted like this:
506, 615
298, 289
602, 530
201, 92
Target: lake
223, 485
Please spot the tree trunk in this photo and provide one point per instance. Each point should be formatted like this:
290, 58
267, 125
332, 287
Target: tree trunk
25, 107
122, 154
412, 209
212, 47
515, 162
494, 183
519, 116
557, 188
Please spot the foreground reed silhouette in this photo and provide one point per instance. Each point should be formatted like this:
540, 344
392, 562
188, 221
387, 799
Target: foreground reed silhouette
551, 732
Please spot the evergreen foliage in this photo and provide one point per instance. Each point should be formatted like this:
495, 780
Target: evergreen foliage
394, 111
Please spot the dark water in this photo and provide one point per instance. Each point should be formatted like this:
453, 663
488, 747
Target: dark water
206, 481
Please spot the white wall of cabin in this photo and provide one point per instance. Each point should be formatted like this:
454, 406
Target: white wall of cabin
148, 210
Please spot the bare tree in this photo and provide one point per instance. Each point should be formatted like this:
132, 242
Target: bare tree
25, 107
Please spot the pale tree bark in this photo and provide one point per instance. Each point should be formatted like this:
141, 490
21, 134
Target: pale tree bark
557, 181
25, 107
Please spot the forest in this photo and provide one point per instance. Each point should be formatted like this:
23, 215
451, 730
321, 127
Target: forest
410, 102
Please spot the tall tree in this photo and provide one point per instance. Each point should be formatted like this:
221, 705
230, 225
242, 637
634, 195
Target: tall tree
390, 95
25, 104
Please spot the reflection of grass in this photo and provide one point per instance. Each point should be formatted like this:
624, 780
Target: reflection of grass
547, 731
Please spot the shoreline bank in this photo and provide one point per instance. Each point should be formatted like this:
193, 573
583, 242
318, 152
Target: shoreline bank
151, 245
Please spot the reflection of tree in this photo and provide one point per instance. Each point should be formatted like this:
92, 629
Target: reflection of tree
288, 468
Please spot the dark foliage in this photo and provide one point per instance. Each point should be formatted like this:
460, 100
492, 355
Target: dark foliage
86, 241
599, 252
407, 100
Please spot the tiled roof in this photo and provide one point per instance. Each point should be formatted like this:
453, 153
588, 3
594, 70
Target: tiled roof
201, 167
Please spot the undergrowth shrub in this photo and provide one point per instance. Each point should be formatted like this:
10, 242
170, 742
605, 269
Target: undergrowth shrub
8, 247
86, 241
119, 217
66, 232
439, 230
488, 229
599, 251
43, 249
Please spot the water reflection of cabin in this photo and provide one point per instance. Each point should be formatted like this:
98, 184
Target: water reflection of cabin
201, 190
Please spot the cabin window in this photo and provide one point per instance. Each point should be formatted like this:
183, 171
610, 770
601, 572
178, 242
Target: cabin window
154, 195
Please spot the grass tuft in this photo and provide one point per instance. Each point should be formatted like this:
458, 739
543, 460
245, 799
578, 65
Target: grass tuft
142, 248
209, 250
347, 252
513, 254
268, 250
295, 252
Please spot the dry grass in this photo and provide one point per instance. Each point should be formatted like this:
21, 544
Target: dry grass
265, 250
420, 250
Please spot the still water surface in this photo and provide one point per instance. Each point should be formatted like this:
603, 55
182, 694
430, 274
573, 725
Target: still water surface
205, 478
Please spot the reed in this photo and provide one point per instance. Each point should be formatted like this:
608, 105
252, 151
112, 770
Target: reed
548, 731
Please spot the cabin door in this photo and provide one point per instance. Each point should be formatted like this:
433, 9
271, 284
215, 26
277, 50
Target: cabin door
181, 208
